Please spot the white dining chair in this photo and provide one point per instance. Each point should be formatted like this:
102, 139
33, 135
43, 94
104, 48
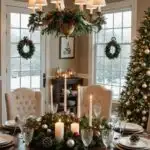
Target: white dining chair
23, 102
101, 97
148, 124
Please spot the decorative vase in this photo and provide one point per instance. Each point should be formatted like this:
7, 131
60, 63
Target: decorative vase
67, 29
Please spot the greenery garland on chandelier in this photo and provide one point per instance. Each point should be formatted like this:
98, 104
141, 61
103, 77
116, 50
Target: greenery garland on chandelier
66, 22
44, 131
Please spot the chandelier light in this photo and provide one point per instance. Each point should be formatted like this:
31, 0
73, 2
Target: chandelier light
67, 21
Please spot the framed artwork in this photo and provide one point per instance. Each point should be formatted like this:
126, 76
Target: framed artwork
67, 47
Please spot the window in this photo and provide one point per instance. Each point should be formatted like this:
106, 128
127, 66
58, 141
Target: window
23, 73
111, 73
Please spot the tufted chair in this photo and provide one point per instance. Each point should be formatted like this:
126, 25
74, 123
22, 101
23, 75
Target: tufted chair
101, 97
148, 124
23, 102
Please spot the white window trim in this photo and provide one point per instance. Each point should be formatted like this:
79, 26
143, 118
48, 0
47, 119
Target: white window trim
110, 7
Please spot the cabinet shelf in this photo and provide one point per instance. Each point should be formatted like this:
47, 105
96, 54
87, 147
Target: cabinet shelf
58, 86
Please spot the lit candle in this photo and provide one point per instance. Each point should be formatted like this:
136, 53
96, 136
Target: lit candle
59, 130
79, 103
90, 111
65, 93
51, 98
75, 127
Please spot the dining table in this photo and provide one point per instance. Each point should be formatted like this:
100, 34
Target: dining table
19, 144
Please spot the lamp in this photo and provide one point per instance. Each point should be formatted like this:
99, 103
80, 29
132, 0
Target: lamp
31, 5
41, 2
101, 3
90, 6
80, 2
55, 1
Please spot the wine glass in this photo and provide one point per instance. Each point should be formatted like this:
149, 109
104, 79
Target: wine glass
107, 138
55, 108
114, 119
86, 136
96, 110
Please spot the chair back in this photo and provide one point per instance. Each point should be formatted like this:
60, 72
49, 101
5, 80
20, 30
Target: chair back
101, 97
23, 102
148, 124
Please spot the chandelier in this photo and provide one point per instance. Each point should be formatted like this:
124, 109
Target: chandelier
85, 18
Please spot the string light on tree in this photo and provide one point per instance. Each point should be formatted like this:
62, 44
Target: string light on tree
147, 51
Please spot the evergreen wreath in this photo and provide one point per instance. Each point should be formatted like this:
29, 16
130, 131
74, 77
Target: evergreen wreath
117, 47
20, 48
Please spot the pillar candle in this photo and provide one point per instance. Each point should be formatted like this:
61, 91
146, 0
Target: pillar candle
75, 127
59, 130
51, 98
79, 103
90, 111
65, 93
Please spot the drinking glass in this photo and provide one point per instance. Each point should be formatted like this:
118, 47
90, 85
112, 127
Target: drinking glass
55, 108
107, 138
114, 119
86, 136
27, 135
122, 127
96, 110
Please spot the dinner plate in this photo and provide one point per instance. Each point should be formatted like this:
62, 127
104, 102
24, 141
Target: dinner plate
10, 123
143, 143
6, 140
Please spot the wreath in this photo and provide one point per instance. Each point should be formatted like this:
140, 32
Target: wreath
28, 43
112, 43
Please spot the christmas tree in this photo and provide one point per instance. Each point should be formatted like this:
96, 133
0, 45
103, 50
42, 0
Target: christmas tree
135, 97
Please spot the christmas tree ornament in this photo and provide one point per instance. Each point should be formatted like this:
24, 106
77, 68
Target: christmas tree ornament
148, 72
144, 112
49, 130
128, 112
144, 97
142, 124
137, 90
44, 126
137, 110
143, 64
144, 119
128, 93
147, 51
127, 103
144, 85
70, 143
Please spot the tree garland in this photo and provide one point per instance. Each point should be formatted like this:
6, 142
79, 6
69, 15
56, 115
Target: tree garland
20, 48
112, 43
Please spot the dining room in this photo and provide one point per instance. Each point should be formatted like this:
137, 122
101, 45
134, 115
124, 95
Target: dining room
75, 74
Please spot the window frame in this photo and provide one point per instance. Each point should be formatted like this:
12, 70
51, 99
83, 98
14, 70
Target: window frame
112, 7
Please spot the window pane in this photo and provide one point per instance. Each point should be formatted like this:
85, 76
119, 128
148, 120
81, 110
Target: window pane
100, 50
118, 22
24, 20
127, 19
99, 77
15, 64
108, 64
25, 32
35, 79
15, 20
25, 64
124, 64
109, 20
15, 35
107, 77
100, 36
15, 80
14, 52
108, 35
37, 50
123, 80
118, 35
36, 36
116, 78
125, 51
100, 63
127, 35
116, 64
115, 91
35, 63
25, 79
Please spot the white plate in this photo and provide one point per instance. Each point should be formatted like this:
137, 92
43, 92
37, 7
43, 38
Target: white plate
5, 139
10, 123
143, 143
131, 126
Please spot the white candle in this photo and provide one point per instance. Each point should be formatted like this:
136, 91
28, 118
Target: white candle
59, 130
51, 98
90, 111
75, 127
65, 93
79, 103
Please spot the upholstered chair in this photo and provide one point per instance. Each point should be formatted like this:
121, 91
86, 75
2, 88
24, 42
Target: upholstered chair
101, 97
148, 124
23, 102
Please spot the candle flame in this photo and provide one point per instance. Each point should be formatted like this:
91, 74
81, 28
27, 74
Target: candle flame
78, 86
91, 96
59, 120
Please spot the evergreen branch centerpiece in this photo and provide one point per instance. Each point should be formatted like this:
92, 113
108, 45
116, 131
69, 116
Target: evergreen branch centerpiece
61, 131
66, 22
